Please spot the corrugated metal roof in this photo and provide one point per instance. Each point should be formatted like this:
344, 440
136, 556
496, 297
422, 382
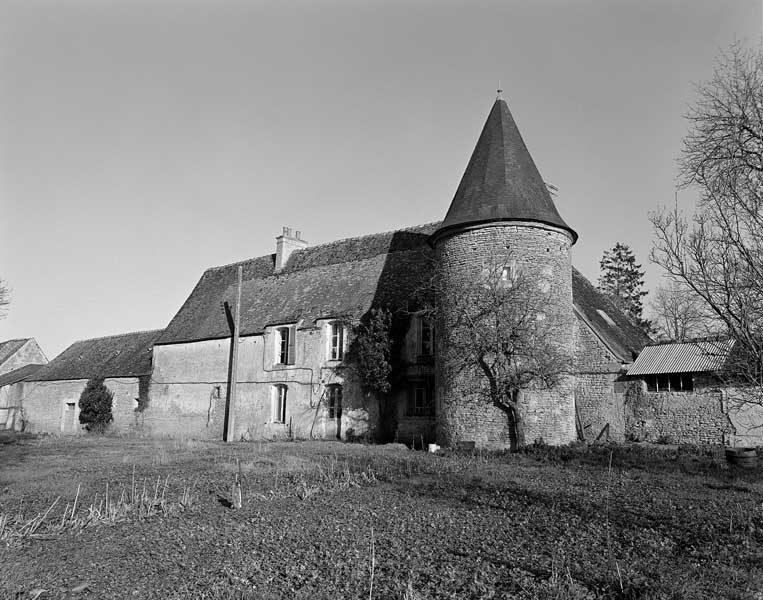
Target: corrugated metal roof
687, 357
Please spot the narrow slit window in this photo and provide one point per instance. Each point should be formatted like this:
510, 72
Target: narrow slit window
279, 404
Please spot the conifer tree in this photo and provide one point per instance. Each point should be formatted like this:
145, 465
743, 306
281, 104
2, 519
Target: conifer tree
95, 405
621, 279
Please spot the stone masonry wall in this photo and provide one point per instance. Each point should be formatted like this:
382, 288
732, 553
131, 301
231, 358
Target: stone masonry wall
676, 417
28, 354
189, 387
543, 253
600, 408
53, 406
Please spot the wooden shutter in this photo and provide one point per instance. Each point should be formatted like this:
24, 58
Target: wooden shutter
291, 358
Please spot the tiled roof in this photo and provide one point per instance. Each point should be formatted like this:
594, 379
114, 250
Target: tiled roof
348, 277
686, 357
617, 331
10, 347
19, 374
340, 278
501, 181
126, 355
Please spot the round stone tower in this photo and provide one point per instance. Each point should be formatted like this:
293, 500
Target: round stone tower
502, 208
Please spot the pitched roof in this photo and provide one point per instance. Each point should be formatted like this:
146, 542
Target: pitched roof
19, 374
10, 347
126, 355
685, 357
617, 332
501, 181
348, 277
345, 277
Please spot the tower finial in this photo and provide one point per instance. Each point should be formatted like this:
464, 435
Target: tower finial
500, 91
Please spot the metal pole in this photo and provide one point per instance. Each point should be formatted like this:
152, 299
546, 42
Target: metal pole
234, 327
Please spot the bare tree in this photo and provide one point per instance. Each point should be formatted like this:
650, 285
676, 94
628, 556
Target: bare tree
679, 315
5, 298
718, 253
495, 329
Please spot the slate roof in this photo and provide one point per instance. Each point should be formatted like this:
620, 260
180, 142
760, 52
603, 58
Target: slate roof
342, 278
19, 374
10, 347
126, 355
501, 181
617, 331
348, 277
685, 357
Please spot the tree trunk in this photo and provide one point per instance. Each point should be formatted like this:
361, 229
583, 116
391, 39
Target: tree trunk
516, 421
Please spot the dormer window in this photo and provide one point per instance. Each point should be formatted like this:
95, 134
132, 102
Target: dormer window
336, 340
284, 346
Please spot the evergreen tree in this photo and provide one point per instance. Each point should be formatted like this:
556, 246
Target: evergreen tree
95, 404
621, 279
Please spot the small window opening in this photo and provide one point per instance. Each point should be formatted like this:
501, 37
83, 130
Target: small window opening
606, 317
279, 404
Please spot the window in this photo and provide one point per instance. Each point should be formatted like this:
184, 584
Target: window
426, 337
334, 401
421, 401
670, 382
279, 404
284, 346
337, 341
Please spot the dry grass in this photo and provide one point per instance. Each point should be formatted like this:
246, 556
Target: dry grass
337, 520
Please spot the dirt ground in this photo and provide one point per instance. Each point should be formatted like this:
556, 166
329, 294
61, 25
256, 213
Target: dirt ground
332, 520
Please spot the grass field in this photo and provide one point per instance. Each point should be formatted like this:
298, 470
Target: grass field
126, 518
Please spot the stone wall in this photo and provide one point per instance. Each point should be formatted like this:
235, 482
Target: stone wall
29, 353
676, 417
53, 406
600, 408
463, 411
10, 413
746, 416
189, 387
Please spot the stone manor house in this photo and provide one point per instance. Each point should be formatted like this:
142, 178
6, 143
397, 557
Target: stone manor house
295, 306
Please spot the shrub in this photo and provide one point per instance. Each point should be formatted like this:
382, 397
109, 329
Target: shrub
95, 406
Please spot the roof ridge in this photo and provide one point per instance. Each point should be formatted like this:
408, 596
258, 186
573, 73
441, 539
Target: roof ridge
370, 235
116, 335
327, 244
238, 262
16, 340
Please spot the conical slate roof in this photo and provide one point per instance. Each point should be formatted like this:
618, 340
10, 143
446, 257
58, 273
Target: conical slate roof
501, 181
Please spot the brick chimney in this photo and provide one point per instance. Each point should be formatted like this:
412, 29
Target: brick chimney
286, 243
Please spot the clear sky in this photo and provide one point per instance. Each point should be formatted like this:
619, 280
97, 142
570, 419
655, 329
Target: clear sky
144, 141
